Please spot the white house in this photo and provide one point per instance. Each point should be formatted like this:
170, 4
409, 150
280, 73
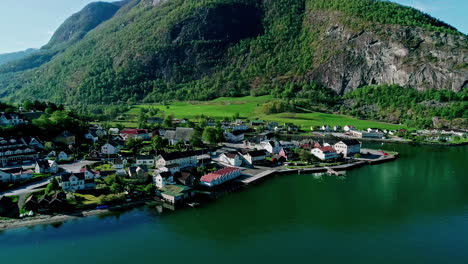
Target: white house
234, 136
325, 153
231, 158
114, 131
62, 156
183, 159
220, 177
46, 166
72, 182
348, 128
91, 135
109, 149
171, 168
255, 156
161, 179
348, 147
273, 147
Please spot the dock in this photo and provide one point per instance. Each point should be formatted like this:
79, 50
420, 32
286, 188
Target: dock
257, 177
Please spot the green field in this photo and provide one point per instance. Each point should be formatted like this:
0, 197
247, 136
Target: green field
249, 108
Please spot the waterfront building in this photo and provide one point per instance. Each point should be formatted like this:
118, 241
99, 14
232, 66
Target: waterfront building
348, 147
175, 194
220, 176
325, 153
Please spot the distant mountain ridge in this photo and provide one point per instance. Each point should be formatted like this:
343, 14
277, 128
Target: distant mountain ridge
156, 50
7, 57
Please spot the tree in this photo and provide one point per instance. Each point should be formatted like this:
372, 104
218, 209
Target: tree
196, 139
52, 186
150, 188
159, 143
211, 135
168, 121
116, 188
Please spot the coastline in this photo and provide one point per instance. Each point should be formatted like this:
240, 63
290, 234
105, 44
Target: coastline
49, 219
53, 219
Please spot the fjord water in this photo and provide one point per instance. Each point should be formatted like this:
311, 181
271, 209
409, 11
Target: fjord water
413, 210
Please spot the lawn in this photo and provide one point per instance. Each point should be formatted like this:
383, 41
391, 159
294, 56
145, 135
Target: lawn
86, 199
249, 107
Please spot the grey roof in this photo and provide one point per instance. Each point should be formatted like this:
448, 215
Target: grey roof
170, 134
184, 133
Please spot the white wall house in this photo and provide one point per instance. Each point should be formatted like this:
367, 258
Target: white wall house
73, 182
108, 149
348, 147
231, 158
272, 147
325, 153
147, 160
183, 159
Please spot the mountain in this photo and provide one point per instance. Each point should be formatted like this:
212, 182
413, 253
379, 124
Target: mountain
154, 50
70, 32
7, 57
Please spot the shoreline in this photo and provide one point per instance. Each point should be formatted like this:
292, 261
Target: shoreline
377, 140
53, 219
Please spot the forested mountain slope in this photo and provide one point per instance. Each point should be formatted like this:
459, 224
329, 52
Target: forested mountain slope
154, 50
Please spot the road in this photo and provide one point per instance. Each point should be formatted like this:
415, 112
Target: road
26, 188
74, 167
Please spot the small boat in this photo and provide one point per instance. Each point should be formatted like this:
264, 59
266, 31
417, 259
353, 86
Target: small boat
193, 204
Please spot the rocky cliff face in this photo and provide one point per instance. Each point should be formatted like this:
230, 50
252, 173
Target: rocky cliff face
350, 56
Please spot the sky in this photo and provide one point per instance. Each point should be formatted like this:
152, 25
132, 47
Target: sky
30, 23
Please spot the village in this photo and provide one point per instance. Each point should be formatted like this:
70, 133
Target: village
178, 164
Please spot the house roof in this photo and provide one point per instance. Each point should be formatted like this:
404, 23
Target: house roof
237, 132
175, 190
145, 157
231, 155
327, 149
218, 174
131, 131
165, 174
65, 177
43, 164
256, 153
184, 133
178, 155
351, 142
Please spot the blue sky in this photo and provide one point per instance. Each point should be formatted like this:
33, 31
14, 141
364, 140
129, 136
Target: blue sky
30, 23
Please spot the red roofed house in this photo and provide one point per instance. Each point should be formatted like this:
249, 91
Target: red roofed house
220, 177
142, 134
325, 153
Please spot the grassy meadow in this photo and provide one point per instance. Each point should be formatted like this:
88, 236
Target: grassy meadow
249, 108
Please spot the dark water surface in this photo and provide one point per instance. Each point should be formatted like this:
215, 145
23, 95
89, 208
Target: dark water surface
413, 210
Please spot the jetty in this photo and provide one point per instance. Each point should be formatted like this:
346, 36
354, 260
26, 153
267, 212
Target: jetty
254, 178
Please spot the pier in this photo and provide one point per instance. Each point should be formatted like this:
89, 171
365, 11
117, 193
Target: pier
257, 177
